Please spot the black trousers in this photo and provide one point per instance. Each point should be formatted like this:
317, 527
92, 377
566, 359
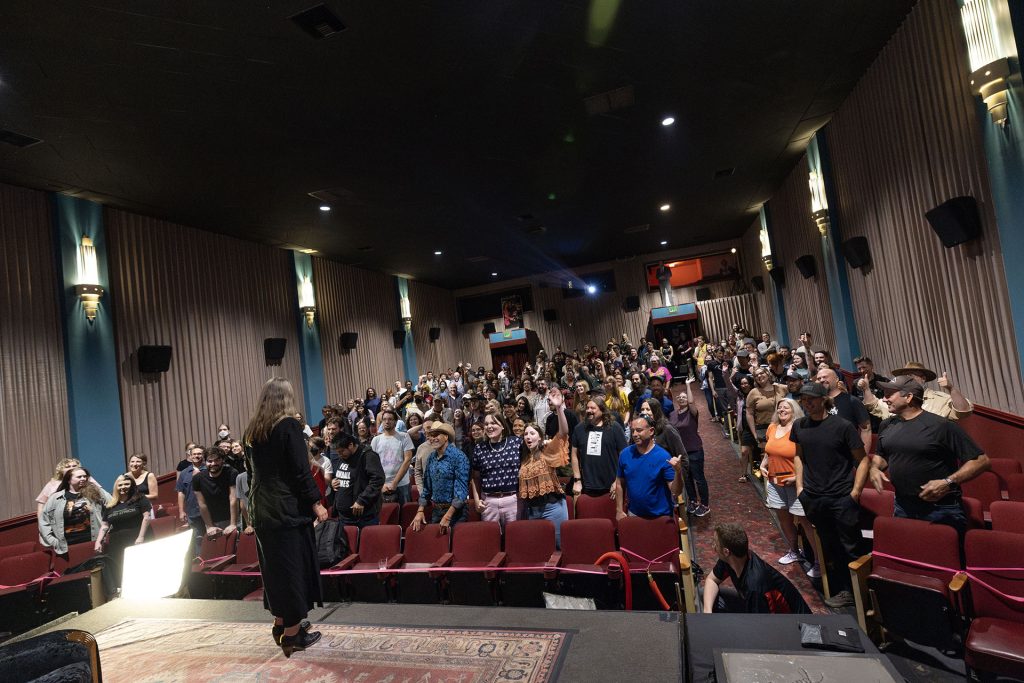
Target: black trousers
837, 521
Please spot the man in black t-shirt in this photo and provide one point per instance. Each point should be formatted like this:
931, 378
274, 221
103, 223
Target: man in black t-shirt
215, 492
845, 406
760, 588
827, 449
596, 444
927, 457
358, 479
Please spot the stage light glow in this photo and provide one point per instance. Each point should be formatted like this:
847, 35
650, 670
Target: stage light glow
664, 242
668, 121
591, 289
324, 207
154, 569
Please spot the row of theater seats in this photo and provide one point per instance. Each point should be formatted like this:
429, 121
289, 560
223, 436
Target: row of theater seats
915, 585
35, 586
477, 564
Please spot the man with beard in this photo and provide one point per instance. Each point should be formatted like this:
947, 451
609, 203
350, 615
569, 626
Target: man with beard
645, 470
357, 482
596, 444
215, 493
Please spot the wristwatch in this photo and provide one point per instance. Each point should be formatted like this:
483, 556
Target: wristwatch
949, 482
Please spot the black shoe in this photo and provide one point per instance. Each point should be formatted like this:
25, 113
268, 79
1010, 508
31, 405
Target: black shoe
278, 631
300, 641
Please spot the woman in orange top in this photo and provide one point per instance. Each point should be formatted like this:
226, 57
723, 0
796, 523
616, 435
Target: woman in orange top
539, 487
780, 476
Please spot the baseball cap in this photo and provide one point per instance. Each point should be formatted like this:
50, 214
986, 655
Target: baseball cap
814, 390
905, 384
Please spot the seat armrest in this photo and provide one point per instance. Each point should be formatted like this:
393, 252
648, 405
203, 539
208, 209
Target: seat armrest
684, 562
862, 565
395, 560
443, 561
498, 560
347, 563
958, 582
218, 565
555, 560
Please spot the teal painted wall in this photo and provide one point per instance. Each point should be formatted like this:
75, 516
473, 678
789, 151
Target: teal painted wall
408, 345
314, 387
778, 301
90, 360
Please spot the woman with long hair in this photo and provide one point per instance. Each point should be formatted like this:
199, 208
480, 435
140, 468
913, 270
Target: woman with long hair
780, 478
748, 440
539, 487
761, 404
496, 461
63, 465
414, 428
284, 505
125, 521
138, 468
364, 430
74, 513
684, 419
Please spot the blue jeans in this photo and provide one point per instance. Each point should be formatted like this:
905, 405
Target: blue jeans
438, 513
950, 515
401, 495
556, 513
696, 484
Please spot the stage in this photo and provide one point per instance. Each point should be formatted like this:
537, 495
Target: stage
171, 640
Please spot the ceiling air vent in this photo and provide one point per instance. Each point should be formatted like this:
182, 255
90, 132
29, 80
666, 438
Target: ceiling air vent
319, 22
17, 139
725, 172
477, 259
644, 227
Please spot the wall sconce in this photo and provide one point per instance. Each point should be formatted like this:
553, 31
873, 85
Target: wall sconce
983, 22
766, 246
819, 203
307, 303
405, 308
88, 288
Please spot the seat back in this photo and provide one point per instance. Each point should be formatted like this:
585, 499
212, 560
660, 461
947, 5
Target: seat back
220, 546
985, 487
18, 569
245, 552
163, 527
389, 514
874, 504
1015, 487
378, 542
352, 534
975, 515
585, 540
426, 545
917, 541
1004, 468
649, 540
407, 512
987, 553
17, 549
476, 543
1008, 515
529, 541
595, 507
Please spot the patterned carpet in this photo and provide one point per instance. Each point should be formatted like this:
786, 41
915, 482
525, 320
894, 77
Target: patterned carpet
173, 650
732, 501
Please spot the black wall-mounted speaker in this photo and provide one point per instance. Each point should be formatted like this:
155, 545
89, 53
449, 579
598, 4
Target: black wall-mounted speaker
348, 340
550, 315
273, 350
488, 329
778, 274
856, 251
757, 282
435, 333
956, 220
703, 293
398, 338
807, 266
631, 304
153, 359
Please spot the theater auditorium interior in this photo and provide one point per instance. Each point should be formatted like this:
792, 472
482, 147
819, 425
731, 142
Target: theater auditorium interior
669, 340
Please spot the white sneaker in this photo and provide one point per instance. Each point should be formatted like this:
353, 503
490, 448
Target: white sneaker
790, 557
814, 572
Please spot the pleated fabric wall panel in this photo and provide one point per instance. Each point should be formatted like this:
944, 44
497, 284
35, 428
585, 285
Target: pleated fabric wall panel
33, 385
355, 300
213, 299
795, 234
906, 140
763, 314
719, 315
434, 307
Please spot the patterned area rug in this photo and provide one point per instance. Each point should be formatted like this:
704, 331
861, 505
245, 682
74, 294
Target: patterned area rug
172, 650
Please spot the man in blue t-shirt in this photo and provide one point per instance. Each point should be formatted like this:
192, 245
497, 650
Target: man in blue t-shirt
651, 476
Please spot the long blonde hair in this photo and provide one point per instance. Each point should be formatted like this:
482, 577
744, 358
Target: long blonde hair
276, 401
62, 465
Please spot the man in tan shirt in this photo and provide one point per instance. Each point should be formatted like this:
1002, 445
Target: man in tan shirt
948, 402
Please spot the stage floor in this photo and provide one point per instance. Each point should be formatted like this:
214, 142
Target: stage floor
595, 645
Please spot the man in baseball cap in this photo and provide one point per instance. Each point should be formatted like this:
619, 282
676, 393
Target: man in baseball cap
946, 402
927, 457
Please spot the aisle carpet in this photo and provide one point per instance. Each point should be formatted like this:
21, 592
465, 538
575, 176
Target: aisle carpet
172, 650
739, 503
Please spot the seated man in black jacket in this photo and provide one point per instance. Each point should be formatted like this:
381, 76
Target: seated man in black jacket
358, 478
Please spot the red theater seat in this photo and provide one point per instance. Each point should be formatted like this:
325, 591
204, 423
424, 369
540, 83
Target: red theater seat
376, 543
595, 507
389, 513
20, 569
995, 642
873, 505
76, 555
475, 544
1015, 487
424, 549
985, 488
1008, 515
162, 527
1004, 468
643, 541
583, 542
528, 544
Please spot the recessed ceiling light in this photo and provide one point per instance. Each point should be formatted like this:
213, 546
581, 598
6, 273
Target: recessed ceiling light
668, 121
664, 242
494, 275
665, 207
591, 289
324, 207
733, 250
437, 253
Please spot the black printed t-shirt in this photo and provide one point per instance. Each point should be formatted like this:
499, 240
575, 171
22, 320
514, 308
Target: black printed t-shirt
826, 453
920, 450
850, 409
598, 449
77, 518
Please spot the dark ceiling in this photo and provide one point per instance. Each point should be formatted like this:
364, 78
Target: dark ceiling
461, 126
